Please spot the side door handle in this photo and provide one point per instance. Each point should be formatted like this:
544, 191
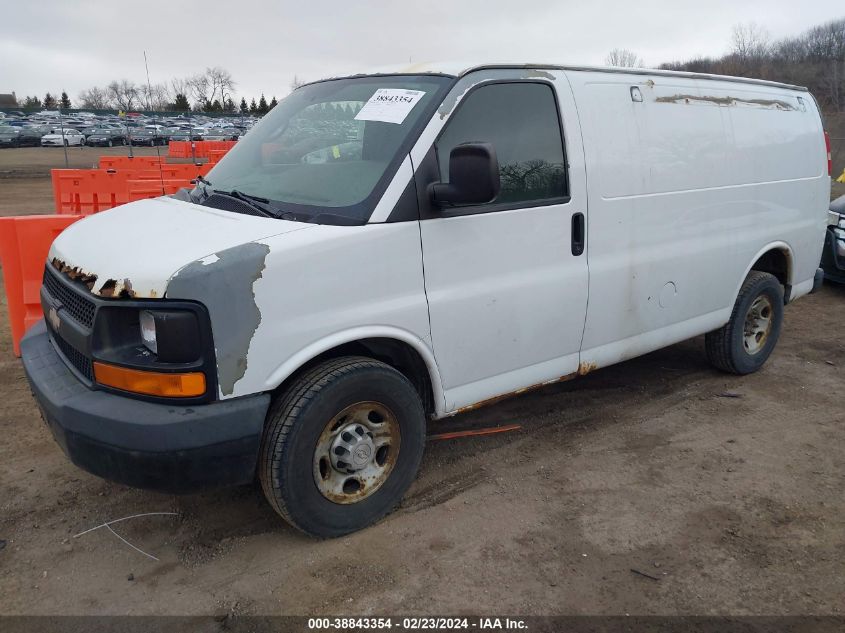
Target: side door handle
578, 235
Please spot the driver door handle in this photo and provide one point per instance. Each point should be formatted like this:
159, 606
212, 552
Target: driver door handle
578, 234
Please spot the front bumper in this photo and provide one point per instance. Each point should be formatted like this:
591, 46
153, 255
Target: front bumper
162, 447
833, 255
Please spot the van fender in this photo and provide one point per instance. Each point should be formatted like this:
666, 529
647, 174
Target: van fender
314, 349
779, 245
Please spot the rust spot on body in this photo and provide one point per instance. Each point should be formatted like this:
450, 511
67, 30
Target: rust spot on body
74, 273
519, 392
107, 289
585, 368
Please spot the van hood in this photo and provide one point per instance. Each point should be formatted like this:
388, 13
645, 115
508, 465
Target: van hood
133, 250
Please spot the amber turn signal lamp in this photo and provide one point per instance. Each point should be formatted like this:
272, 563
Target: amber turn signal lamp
150, 383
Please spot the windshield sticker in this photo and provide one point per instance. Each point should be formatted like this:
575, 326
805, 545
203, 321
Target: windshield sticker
389, 105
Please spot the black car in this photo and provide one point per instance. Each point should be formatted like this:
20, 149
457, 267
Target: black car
194, 134
105, 137
833, 255
143, 136
19, 137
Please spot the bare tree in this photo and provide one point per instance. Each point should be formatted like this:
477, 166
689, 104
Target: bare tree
123, 93
179, 86
199, 87
155, 96
750, 41
94, 98
296, 82
221, 82
215, 84
623, 58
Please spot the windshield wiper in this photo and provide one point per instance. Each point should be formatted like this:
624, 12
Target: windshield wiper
261, 205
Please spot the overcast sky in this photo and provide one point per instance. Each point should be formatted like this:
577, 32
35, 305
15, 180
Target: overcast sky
55, 45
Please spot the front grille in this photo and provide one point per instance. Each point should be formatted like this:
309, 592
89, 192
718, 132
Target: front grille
76, 358
77, 307
80, 309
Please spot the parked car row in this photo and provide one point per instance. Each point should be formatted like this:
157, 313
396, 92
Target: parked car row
19, 137
19, 129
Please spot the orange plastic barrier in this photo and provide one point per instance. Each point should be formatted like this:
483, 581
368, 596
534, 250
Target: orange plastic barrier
24, 244
215, 155
143, 189
179, 149
201, 149
172, 172
135, 162
87, 191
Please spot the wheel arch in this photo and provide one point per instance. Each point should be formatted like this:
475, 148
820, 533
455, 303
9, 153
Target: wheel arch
775, 258
398, 348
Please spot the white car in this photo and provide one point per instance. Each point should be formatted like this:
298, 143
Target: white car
384, 250
70, 137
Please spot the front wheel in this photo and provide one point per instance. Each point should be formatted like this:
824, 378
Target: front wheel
745, 342
341, 446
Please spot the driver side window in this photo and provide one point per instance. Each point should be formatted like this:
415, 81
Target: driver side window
521, 120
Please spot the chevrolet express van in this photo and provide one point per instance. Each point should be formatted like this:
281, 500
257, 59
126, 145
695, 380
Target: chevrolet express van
386, 249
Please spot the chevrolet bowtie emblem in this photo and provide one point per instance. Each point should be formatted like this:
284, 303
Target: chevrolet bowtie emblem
53, 316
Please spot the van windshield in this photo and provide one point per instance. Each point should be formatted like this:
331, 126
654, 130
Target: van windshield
326, 152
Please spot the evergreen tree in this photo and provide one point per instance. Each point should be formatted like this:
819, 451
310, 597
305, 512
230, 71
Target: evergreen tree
263, 108
253, 109
273, 102
49, 102
244, 106
181, 103
32, 102
65, 101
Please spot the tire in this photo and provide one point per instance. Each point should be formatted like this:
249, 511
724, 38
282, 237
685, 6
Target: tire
734, 350
291, 466
111, 143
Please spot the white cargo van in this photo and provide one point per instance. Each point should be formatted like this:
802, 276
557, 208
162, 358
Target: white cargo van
389, 248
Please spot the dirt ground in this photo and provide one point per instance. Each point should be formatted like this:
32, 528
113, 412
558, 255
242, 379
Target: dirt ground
725, 491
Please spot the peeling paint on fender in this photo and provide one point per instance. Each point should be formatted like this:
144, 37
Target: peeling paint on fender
224, 282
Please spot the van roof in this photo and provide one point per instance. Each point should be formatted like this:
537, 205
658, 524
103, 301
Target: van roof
458, 69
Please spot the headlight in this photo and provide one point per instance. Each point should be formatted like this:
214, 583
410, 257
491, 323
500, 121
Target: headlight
172, 335
148, 331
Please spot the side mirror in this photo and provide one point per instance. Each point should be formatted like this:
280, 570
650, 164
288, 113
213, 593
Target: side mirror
473, 176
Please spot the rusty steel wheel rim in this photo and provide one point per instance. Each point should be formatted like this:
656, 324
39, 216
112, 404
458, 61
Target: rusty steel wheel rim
356, 452
758, 324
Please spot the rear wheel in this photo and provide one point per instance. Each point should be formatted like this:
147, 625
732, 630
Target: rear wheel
745, 342
111, 143
342, 445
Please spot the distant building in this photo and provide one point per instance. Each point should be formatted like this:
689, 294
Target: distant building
8, 100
